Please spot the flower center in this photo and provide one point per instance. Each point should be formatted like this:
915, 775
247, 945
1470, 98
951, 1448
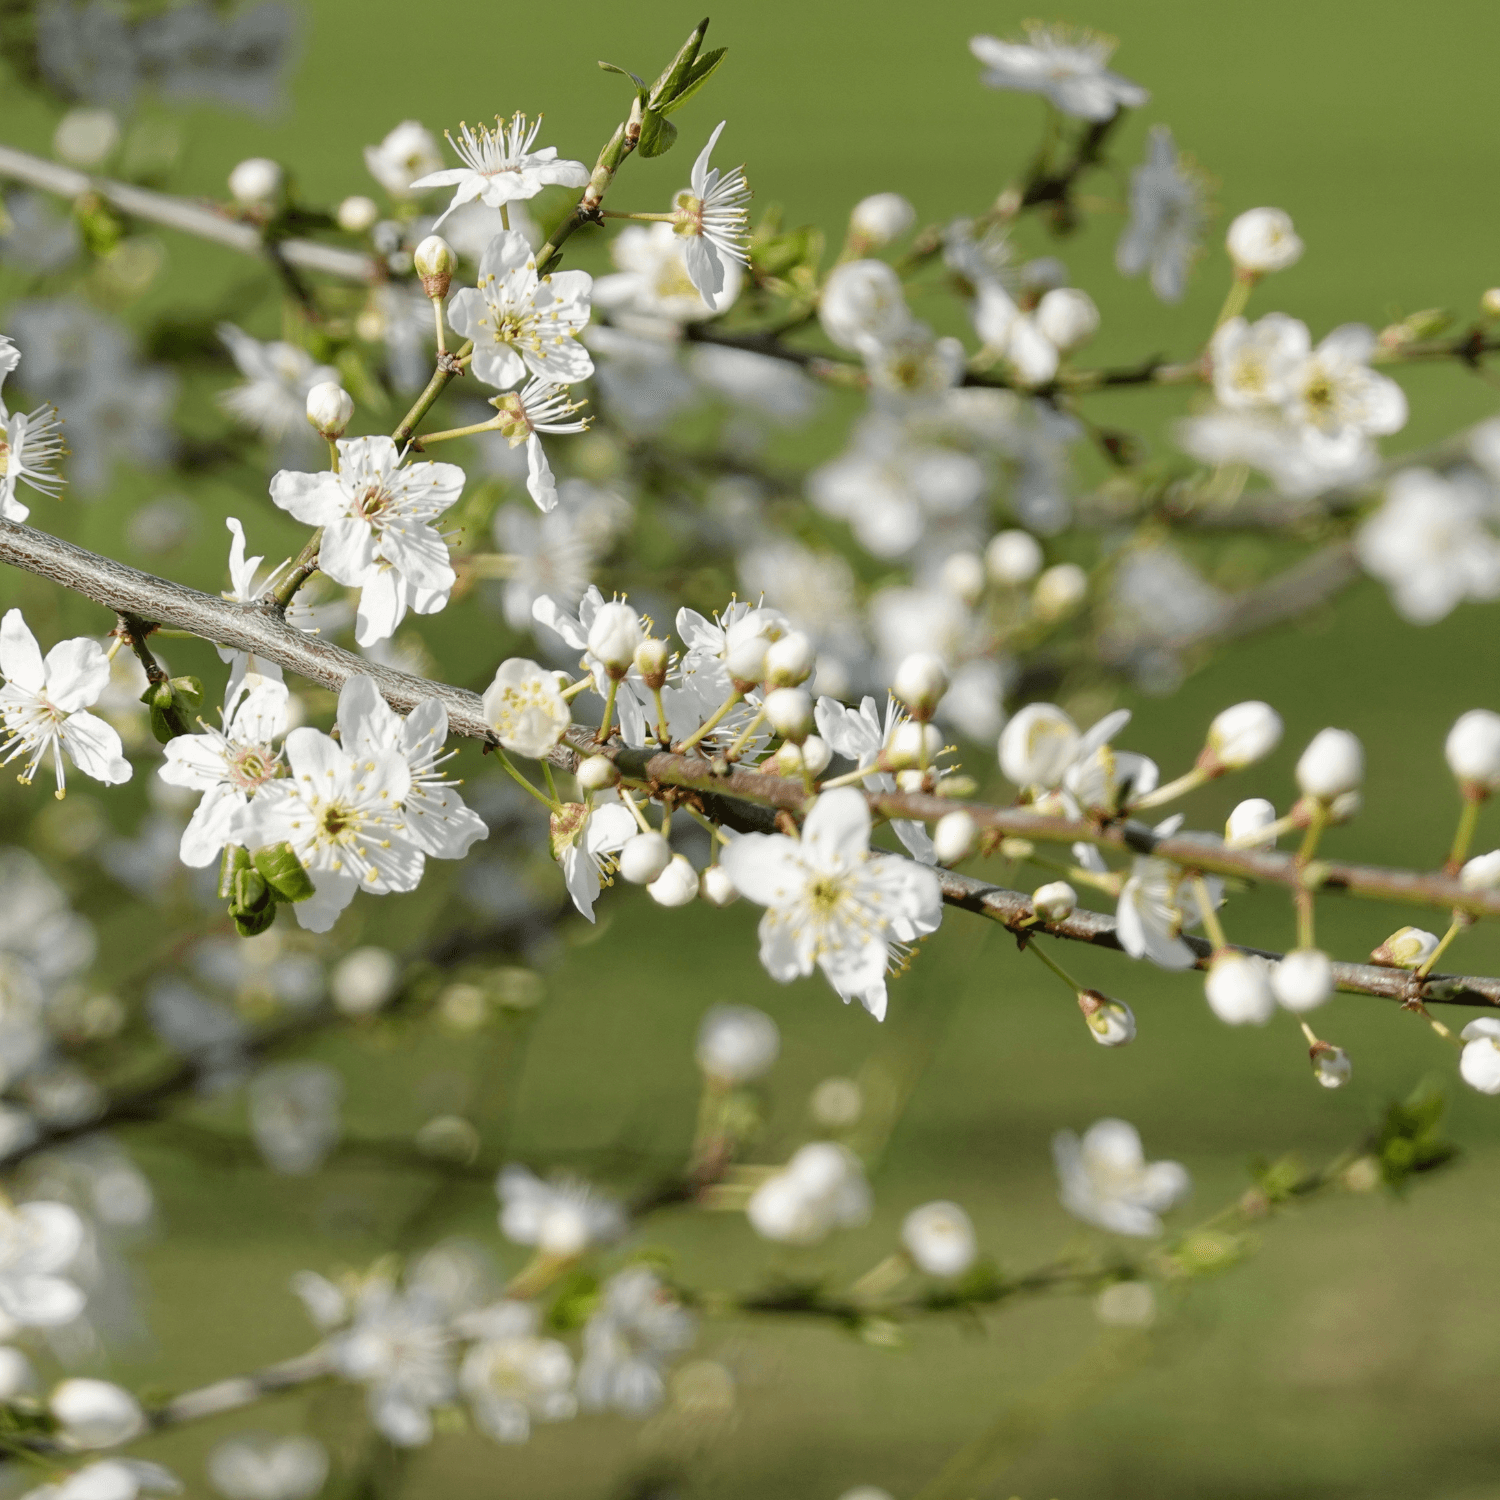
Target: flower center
824, 893
252, 765
372, 501
688, 218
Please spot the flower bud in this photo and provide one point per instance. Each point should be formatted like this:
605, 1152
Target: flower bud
1054, 901
1473, 750
1332, 764
911, 781
1405, 948
95, 1413
1067, 318
1482, 873
1059, 591
746, 662
1302, 980
1246, 825
1111, 1022
614, 635
643, 857
715, 886
789, 711
677, 884
435, 263
364, 980
255, 180
920, 681
356, 214
1242, 735
1013, 557
1238, 990
815, 755
330, 409
954, 836
881, 218
962, 576
1489, 303
1479, 1063
652, 658
789, 661
912, 745
787, 761
596, 772
1262, 239
737, 1043
1331, 1065
939, 1237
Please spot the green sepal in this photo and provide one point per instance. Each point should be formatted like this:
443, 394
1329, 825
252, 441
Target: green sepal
658, 134
282, 872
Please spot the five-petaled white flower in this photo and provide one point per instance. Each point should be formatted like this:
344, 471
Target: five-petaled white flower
563, 1216
30, 444
38, 1241
1066, 66
408, 152
582, 838
1338, 395
500, 166
526, 708
376, 511
512, 1376
43, 703
1167, 214
833, 902
227, 765
1156, 905
539, 406
278, 376
1106, 1179
520, 321
710, 215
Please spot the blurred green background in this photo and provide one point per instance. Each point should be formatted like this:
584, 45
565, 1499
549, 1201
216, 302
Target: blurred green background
1359, 1352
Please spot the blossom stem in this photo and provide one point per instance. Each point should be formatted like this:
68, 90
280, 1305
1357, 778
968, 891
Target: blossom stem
551, 784
583, 684
1303, 896
743, 738
635, 808
605, 213
333, 456
442, 335
711, 723
428, 438
434, 388
1239, 294
132, 631
662, 737
515, 775
1189, 781
1455, 927
1463, 835
1073, 985
1211, 923
607, 724
1313, 1039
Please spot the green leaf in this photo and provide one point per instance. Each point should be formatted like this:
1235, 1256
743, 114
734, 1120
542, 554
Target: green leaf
676, 73
635, 78
696, 79
283, 872
658, 134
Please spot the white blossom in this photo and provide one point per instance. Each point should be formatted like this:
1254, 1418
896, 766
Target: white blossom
653, 282
398, 1347
710, 216
1157, 904
1257, 364
822, 1188
1262, 239
278, 378
520, 321
1336, 394
537, 408
939, 1237
1479, 1063
861, 735
408, 152
562, 1217
1067, 67
636, 1330
31, 444
831, 901
511, 1376
525, 708
737, 1043
582, 840
38, 1242
259, 1467
500, 166
863, 302
1106, 1179
1167, 216
1013, 558
44, 703
227, 765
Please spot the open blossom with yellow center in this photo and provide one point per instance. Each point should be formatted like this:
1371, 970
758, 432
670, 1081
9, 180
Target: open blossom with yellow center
538, 407
227, 765
832, 901
525, 708
711, 216
500, 166
582, 839
521, 321
30, 446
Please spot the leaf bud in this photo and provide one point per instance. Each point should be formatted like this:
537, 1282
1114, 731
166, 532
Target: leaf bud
279, 867
256, 180
1263, 239
643, 857
1302, 980
1239, 990
1405, 948
920, 682
954, 837
881, 218
1330, 1064
356, 214
676, 885
715, 886
789, 711
596, 772
1013, 558
614, 635
789, 661
1473, 751
1054, 901
330, 409
1332, 764
1111, 1022
652, 657
435, 263
1240, 736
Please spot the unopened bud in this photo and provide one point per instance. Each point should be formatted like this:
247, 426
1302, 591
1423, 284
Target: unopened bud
330, 409
787, 761
963, 576
643, 857
920, 681
954, 837
1303, 979
1330, 1064
1241, 735
1239, 990
1473, 751
256, 180
1067, 317
596, 772
1111, 1022
1054, 901
652, 658
1013, 557
356, 214
1482, 873
912, 745
676, 885
1490, 302
1059, 591
789, 661
1263, 239
1479, 1063
1406, 948
911, 781
613, 636
746, 662
815, 755
435, 263
715, 886
1332, 764
789, 711
1248, 822
881, 218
